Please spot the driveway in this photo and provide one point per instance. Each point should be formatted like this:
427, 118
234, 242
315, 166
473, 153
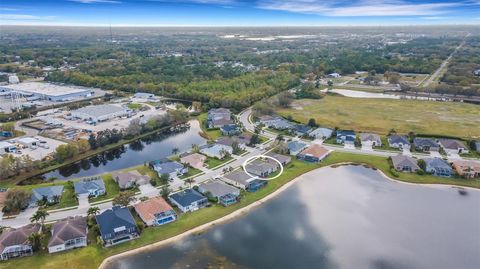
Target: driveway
83, 201
148, 190
435, 154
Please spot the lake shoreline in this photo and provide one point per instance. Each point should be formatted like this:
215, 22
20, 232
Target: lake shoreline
254, 205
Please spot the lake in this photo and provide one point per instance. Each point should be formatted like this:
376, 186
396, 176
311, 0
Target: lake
345, 217
144, 150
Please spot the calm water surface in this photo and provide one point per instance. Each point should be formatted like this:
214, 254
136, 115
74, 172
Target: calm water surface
148, 149
346, 217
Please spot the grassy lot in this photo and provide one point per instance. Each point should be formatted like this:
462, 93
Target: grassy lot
214, 162
135, 106
68, 199
381, 115
210, 134
191, 172
92, 256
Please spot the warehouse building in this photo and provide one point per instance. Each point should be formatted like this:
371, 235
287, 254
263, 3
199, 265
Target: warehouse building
51, 92
100, 112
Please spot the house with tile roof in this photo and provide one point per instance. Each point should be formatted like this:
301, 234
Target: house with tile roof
398, 142
155, 211
14, 242
314, 153
116, 226
130, 179
404, 163
467, 168
188, 200
453, 146
438, 167
224, 193
68, 234
195, 160
90, 187
50, 195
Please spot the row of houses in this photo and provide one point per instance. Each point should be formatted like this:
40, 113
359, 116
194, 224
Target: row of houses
437, 166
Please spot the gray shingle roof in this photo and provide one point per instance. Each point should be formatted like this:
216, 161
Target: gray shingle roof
114, 218
187, 197
68, 229
49, 192
217, 188
398, 139
83, 186
12, 237
402, 160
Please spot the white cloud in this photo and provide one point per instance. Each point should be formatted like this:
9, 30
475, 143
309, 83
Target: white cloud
208, 2
359, 8
28, 17
7, 9
96, 1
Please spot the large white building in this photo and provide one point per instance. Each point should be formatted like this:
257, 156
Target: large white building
50, 92
100, 112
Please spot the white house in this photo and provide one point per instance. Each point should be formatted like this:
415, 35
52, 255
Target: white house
216, 150
68, 234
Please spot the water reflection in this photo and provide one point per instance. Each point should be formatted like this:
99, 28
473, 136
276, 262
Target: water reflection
346, 217
146, 149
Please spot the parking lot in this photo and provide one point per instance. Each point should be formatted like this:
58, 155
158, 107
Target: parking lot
38, 153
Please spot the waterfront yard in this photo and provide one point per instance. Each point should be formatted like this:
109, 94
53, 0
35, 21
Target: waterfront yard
93, 255
381, 115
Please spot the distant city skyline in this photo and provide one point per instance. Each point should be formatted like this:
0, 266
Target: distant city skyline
238, 12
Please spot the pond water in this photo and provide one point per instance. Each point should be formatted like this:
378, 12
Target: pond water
146, 149
345, 217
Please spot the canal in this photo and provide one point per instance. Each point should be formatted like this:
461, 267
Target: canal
153, 147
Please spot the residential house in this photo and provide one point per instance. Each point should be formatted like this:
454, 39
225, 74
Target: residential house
219, 117
244, 181
453, 146
49, 195
283, 159
90, 187
477, 146
295, 147
216, 150
229, 141
398, 142
346, 137
275, 122
155, 211
438, 167
314, 153
230, 129
369, 139
224, 193
261, 167
425, 144
68, 234
467, 168
117, 225
195, 160
404, 163
267, 120
127, 180
168, 167
188, 200
301, 129
321, 133
14, 242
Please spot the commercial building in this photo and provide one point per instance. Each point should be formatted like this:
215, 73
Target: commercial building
51, 92
100, 112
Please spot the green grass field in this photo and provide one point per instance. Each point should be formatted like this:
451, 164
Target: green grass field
214, 162
210, 134
381, 115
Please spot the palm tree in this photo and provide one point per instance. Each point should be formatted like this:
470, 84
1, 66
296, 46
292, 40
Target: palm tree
195, 148
93, 211
175, 151
39, 216
189, 181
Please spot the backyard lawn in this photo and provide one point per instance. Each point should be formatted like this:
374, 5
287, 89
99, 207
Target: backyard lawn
214, 162
381, 115
111, 188
191, 172
211, 134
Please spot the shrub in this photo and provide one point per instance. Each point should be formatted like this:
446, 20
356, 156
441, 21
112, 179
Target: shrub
394, 172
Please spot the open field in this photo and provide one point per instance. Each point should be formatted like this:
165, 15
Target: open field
381, 115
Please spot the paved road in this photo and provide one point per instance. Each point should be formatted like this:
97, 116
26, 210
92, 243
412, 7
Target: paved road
444, 65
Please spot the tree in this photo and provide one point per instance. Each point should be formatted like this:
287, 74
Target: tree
280, 138
165, 191
195, 148
254, 140
285, 99
164, 178
93, 211
39, 216
421, 163
189, 181
236, 147
66, 151
16, 200
35, 239
330, 84
92, 141
123, 199
312, 122
175, 151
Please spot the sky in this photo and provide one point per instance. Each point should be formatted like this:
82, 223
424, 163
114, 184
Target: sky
238, 12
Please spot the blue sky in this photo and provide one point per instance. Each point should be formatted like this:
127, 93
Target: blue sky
238, 12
